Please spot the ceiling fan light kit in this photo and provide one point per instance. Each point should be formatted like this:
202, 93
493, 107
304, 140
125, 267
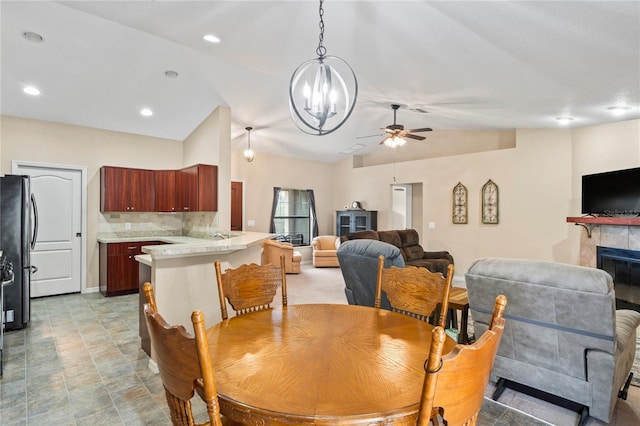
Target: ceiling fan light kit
322, 91
396, 133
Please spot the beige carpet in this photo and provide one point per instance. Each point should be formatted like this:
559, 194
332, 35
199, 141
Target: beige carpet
326, 285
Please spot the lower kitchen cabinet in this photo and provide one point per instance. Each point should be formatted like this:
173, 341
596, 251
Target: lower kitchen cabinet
119, 268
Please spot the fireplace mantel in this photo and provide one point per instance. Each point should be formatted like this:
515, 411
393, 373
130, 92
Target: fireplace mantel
588, 222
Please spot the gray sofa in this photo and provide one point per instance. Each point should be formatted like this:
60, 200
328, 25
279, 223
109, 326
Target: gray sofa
359, 265
563, 335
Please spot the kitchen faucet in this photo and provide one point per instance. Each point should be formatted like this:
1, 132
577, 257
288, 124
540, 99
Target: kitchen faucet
220, 234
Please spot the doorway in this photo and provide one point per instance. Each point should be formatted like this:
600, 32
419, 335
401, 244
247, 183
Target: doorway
60, 249
236, 206
401, 206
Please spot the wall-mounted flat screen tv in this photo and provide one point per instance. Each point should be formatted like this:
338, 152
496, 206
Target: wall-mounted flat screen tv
612, 193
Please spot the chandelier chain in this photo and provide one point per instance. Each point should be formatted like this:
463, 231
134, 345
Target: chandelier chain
321, 51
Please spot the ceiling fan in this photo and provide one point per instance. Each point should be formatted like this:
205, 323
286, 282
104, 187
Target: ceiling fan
396, 132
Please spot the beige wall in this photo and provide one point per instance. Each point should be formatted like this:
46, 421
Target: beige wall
538, 190
267, 171
210, 143
55, 143
538, 180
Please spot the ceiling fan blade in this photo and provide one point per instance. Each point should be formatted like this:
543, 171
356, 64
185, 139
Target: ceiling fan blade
424, 129
416, 137
388, 130
369, 136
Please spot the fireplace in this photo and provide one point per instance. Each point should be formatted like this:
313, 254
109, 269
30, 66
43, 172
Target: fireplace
624, 267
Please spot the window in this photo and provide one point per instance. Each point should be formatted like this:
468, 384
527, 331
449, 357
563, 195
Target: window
293, 216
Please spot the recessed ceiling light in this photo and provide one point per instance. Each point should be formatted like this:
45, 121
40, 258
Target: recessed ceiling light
619, 109
146, 112
171, 74
30, 90
564, 120
32, 37
211, 38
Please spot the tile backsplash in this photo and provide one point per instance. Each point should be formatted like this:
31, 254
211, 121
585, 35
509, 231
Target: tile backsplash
197, 224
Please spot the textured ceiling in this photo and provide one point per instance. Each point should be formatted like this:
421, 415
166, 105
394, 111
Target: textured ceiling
469, 65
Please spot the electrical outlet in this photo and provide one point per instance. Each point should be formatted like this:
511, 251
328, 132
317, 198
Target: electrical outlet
10, 316
251, 223
432, 225
127, 226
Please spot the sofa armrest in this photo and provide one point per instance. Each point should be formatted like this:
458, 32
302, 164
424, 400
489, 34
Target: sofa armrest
437, 255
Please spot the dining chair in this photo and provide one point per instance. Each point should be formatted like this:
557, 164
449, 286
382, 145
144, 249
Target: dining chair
454, 384
250, 287
184, 364
414, 291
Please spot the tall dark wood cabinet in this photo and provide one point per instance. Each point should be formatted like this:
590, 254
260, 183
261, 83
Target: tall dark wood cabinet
355, 220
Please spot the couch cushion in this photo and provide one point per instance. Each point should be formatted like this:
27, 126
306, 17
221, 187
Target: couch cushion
627, 323
408, 238
412, 252
360, 235
390, 237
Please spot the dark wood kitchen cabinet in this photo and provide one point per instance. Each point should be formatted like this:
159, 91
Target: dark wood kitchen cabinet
165, 189
126, 190
197, 188
119, 268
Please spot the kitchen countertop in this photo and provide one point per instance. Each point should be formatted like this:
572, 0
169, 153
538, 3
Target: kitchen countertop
180, 246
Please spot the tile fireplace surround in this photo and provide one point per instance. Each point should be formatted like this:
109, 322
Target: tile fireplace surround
615, 236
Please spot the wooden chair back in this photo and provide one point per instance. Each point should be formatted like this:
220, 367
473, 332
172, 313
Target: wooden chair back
250, 287
454, 384
182, 361
414, 291
147, 288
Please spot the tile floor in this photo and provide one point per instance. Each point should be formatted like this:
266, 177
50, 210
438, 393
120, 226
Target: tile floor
80, 363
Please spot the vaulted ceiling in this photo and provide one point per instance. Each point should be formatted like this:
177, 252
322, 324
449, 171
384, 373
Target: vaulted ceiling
450, 64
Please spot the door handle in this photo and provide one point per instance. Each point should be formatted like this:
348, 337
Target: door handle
35, 222
78, 234
34, 269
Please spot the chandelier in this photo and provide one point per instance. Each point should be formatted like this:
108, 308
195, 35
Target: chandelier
322, 91
248, 153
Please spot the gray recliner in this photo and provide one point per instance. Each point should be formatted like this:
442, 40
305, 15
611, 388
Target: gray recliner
563, 334
359, 265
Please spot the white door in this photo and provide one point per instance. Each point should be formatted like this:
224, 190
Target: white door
400, 206
57, 254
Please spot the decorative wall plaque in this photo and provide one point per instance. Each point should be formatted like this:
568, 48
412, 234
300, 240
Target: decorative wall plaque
490, 206
459, 213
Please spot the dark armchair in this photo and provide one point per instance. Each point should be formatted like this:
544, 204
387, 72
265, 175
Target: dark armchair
359, 265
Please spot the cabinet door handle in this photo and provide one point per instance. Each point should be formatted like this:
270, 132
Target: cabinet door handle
132, 247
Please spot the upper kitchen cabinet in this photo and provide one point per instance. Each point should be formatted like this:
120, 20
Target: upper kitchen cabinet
126, 190
166, 196
197, 188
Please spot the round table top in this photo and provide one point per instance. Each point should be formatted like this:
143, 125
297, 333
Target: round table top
320, 363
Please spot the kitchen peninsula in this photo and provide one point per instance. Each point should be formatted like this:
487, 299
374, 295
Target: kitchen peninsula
182, 271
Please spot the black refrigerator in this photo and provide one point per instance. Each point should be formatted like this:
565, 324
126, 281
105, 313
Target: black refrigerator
17, 238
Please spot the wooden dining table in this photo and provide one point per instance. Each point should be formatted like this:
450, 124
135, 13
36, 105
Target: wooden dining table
320, 364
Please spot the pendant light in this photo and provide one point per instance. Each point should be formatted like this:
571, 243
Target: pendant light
248, 153
322, 91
